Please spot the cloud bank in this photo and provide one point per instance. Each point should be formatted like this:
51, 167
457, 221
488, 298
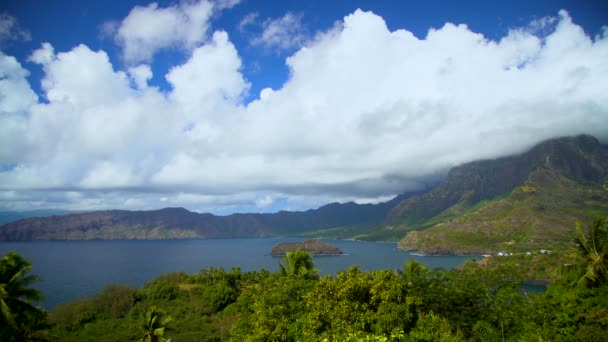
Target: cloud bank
366, 114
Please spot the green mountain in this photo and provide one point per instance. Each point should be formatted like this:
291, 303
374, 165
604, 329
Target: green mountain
514, 204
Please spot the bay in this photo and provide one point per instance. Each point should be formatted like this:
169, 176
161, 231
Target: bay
75, 269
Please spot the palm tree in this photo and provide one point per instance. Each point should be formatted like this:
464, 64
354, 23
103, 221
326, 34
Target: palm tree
593, 247
155, 324
298, 263
412, 270
19, 318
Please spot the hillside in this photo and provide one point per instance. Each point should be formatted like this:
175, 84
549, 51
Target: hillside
481, 208
580, 158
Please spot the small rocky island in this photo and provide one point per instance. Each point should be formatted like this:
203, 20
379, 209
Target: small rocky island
312, 246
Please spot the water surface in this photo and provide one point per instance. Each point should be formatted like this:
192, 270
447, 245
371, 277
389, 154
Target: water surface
76, 269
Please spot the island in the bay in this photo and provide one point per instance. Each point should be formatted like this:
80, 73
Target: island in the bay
312, 246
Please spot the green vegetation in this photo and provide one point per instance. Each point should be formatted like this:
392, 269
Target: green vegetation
535, 267
363, 232
531, 217
298, 263
155, 323
593, 246
19, 318
480, 301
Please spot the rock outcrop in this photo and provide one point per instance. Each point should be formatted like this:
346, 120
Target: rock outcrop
311, 246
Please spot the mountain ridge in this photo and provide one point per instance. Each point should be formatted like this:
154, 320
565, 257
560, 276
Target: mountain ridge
581, 161
563, 185
577, 157
178, 223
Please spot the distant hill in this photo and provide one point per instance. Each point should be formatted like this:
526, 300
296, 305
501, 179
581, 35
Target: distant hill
514, 203
10, 216
179, 223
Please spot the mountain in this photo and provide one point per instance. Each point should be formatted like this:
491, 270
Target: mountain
10, 216
513, 204
179, 223
517, 203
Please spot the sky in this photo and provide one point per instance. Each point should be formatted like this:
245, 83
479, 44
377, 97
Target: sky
227, 106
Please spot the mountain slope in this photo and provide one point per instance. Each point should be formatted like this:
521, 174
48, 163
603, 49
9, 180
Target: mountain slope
580, 158
552, 186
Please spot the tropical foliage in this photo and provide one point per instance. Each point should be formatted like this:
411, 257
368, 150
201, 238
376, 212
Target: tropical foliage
480, 301
298, 263
593, 247
154, 324
20, 319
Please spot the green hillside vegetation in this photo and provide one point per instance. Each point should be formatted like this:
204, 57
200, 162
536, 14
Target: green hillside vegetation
480, 301
363, 232
530, 218
514, 204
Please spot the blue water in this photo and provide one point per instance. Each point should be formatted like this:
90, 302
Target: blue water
76, 269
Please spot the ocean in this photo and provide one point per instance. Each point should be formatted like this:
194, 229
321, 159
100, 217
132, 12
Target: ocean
75, 269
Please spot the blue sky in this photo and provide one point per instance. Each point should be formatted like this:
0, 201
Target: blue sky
239, 106
69, 23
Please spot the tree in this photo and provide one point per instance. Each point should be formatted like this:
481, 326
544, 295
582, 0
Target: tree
271, 309
412, 270
155, 324
298, 263
19, 318
431, 327
593, 247
356, 303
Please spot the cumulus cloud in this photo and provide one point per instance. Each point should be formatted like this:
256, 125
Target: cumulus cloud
148, 29
140, 75
366, 113
16, 99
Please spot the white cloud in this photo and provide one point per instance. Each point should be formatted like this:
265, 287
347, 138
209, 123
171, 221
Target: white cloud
96, 82
264, 202
16, 95
366, 113
283, 33
16, 99
44, 55
225, 4
151, 28
211, 74
141, 74
248, 20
